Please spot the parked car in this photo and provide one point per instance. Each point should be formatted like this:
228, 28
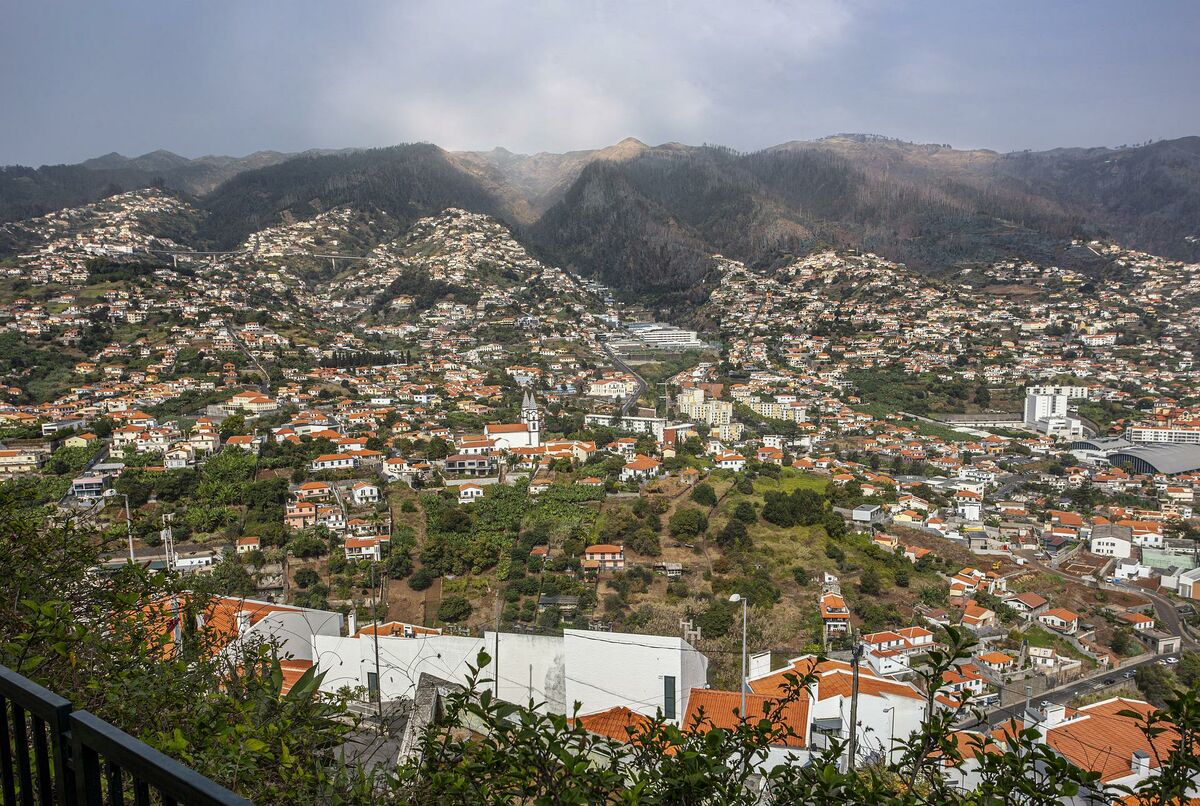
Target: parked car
1128, 675
1108, 681
1172, 659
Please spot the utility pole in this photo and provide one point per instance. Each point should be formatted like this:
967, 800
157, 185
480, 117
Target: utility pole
129, 529
496, 658
169, 539
855, 657
375, 618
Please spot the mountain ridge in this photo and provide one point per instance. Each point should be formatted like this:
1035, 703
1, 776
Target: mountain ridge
644, 217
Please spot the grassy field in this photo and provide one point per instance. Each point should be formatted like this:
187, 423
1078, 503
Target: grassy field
791, 480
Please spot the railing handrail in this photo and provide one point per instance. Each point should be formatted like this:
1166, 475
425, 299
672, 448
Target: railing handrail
151, 766
32, 697
75, 751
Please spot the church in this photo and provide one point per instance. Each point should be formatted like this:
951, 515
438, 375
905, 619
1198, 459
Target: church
525, 434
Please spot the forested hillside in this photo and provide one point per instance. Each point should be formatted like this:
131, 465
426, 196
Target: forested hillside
649, 219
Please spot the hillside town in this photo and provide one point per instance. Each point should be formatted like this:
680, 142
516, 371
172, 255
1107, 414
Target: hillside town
401, 448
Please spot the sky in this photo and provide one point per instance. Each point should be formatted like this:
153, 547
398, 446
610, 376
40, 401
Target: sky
81, 78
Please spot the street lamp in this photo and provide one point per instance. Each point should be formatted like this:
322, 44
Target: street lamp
735, 598
892, 732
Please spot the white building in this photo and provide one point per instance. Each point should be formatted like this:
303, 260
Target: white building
1111, 546
887, 709
597, 670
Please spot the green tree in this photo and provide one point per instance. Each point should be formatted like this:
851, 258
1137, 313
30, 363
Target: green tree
704, 494
454, 608
869, 583
1156, 683
1188, 669
233, 425
421, 579
687, 522
744, 512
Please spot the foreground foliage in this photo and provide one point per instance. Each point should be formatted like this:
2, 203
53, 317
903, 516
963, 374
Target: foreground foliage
108, 643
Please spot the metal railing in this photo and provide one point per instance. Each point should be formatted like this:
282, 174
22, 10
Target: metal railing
53, 755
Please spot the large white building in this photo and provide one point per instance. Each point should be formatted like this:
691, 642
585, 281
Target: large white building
597, 670
1046, 410
1173, 435
693, 405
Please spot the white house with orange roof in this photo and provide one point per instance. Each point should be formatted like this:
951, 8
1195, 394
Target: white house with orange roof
1061, 620
730, 461
333, 461
641, 468
977, 618
245, 545
968, 505
888, 710
963, 679
1104, 738
605, 556
469, 493
364, 548
364, 492
835, 615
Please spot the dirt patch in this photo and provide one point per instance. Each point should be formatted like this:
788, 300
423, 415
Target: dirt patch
407, 605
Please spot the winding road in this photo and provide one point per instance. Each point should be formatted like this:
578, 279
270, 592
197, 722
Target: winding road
641, 382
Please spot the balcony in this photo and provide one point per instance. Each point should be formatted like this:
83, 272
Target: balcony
54, 755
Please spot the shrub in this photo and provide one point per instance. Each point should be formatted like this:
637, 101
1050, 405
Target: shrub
745, 512
454, 608
715, 620
869, 583
704, 495
421, 579
688, 522
645, 541
733, 535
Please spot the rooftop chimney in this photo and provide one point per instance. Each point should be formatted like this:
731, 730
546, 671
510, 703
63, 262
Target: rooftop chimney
1053, 714
1140, 764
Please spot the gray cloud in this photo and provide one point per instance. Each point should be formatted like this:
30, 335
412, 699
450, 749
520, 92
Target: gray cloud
79, 79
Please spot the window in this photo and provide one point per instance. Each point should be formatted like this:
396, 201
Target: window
373, 685
668, 696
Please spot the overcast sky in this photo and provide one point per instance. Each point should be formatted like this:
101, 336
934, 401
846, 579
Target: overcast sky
82, 78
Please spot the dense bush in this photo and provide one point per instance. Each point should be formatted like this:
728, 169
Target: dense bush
454, 608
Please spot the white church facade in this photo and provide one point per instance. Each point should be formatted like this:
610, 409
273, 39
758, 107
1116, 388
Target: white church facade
525, 434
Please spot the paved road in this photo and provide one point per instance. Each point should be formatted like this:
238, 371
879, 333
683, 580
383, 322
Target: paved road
1065, 694
1168, 619
641, 387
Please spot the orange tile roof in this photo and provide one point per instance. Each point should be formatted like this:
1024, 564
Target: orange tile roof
293, 670
618, 723
709, 708
1104, 742
834, 678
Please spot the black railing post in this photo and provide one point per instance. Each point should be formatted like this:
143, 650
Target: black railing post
7, 779
78, 759
21, 745
87, 773
46, 730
